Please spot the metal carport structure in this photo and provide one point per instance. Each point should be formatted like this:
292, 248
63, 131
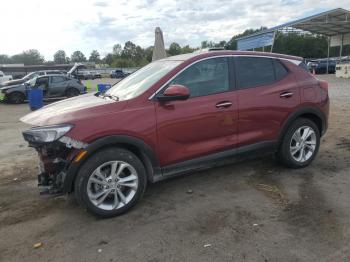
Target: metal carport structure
335, 24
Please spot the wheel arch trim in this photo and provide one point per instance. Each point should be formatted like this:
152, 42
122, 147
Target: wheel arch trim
299, 113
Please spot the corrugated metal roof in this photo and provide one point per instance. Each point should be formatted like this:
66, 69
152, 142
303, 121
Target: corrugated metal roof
329, 23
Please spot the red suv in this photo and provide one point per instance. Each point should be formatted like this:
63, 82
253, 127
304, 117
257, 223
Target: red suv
173, 116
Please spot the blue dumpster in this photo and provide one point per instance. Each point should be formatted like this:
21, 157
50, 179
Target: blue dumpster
35, 97
101, 88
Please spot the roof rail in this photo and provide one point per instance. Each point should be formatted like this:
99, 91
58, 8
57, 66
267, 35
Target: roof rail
216, 48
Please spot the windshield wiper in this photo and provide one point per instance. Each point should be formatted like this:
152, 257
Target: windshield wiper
115, 98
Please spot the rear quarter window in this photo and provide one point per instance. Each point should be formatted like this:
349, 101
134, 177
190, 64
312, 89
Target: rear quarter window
280, 69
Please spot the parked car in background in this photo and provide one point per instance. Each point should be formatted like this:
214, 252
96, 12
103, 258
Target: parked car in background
52, 85
174, 116
320, 66
96, 75
4, 78
31, 76
85, 75
118, 74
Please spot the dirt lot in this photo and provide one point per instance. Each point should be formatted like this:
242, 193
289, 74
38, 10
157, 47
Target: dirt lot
251, 211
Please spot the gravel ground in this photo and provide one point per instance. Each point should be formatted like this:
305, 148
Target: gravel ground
251, 211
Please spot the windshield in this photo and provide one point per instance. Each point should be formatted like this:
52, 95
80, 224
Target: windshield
32, 81
138, 82
30, 76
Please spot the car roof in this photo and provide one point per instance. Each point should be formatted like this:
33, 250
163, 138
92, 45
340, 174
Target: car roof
204, 54
51, 75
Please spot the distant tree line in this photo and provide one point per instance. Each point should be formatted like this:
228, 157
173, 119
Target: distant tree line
132, 55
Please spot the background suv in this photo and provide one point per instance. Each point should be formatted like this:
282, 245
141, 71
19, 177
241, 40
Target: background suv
176, 115
118, 74
52, 85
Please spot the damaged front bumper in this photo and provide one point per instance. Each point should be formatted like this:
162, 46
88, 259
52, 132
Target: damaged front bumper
55, 161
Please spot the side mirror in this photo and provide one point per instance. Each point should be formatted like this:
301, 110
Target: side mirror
174, 92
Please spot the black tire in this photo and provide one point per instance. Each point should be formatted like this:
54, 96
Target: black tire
96, 160
284, 154
72, 92
16, 98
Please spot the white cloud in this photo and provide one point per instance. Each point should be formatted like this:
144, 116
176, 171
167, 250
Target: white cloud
99, 24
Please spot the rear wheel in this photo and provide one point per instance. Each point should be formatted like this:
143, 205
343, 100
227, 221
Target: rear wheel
72, 92
300, 144
16, 98
111, 182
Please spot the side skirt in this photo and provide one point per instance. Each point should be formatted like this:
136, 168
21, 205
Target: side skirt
217, 159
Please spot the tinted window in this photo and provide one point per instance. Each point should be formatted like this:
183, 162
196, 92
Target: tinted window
254, 71
57, 79
42, 81
206, 77
280, 70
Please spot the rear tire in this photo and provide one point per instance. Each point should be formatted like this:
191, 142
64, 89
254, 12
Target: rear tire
16, 98
72, 92
300, 144
107, 193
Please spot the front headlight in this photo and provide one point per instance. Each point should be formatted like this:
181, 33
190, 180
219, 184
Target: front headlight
46, 134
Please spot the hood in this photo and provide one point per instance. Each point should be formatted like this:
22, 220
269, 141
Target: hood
71, 110
12, 82
9, 87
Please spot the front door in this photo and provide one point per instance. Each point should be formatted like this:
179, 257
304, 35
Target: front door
43, 83
206, 122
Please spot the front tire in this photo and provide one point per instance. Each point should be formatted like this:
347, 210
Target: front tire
16, 98
110, 182
300, 144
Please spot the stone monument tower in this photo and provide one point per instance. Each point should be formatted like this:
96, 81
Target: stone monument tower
159, 49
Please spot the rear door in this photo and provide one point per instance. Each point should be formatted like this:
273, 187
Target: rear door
58, 86
267, 94
206, 122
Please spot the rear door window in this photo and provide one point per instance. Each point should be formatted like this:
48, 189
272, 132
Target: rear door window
254, 71
57, 79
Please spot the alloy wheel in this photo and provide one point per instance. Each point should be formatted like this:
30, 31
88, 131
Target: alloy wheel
303, 144
112, 185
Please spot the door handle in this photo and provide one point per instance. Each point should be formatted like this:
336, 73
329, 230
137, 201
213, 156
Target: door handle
224, 104
286, 94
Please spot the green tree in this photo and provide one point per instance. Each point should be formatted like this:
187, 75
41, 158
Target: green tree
129, 50
5, 59
60, 57
304, 45
148, 53
117, 50
187, 49
94, 56
174, 49
108, 59
29, 57
78, 56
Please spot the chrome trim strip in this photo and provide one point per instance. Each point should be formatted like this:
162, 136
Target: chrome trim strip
294, 61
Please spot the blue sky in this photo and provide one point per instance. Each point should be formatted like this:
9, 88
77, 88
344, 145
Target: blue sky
99, 24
